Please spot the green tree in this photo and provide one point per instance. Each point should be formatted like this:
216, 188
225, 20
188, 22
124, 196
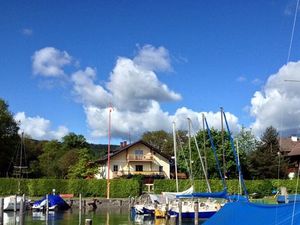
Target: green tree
81, 168
9, 137
74, 141
48, 160
160, 140
264, 162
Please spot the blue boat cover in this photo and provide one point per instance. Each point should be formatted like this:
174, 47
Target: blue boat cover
290, 198
221, 194
54, 200
246, 213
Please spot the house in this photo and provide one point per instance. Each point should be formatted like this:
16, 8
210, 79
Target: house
290, 148
139, 158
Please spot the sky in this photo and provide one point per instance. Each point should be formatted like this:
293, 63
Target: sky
64, 64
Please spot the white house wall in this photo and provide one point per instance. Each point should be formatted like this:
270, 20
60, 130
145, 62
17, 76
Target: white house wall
125, 166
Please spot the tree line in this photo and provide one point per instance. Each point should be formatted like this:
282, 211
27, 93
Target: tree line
71, 157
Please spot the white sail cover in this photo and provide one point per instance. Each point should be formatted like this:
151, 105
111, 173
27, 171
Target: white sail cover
172, 195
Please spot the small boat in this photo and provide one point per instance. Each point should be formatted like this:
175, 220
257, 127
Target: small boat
9, 203
55, 202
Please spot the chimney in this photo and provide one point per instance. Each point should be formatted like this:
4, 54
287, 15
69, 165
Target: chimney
124, 143
121, 144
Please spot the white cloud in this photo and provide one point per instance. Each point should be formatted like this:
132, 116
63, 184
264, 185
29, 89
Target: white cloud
39, 128
87, 91
151, 58
241, 79
135, 92
134, 87
27, 31
278, 103
256, 81
49, 62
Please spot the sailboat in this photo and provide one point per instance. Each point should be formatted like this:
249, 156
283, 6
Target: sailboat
19, 170
247, 213
208, 207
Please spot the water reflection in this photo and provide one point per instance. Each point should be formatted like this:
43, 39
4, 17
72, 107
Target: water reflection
75, 217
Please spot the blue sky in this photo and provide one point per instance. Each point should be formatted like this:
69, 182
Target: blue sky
197, 56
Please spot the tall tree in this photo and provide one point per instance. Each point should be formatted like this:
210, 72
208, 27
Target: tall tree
264, 161
9, 137
160, 140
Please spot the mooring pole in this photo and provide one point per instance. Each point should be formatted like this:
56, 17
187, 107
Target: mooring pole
21, 212
1, 210
15, 204
180, 211
196, 209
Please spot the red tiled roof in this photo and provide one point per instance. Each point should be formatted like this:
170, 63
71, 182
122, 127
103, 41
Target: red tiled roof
292, 148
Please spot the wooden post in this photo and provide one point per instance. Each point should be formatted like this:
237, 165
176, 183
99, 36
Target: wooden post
47, 208
80, 202
1, 210
172, 220
88, 222
15, 204
180, 211
196, 209
21, 212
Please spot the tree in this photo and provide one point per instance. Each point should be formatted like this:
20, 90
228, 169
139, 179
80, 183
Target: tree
72, 141
9, 137
160, 140
80, 169
48, 160
264, 161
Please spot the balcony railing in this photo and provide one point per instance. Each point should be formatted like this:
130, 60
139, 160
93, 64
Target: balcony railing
139, 157
122, 173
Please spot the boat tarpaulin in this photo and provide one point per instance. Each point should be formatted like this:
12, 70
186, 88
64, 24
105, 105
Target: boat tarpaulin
220, 194
246, 213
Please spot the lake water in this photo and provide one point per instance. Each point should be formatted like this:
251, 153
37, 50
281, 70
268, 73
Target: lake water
115, 216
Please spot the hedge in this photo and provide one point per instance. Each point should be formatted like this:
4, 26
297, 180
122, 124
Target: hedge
122, 188
119, 188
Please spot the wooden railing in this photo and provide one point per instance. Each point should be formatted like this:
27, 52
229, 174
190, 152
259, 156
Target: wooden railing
122, 173
138, 157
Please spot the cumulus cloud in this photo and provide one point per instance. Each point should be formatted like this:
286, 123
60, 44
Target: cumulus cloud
135, 92
87, 91
49, 62
38, 127
151, 58
134, 87
278, 103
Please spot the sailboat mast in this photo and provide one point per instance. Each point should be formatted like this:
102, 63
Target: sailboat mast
204, 140
175, 155
223, 149
238, 157
190, 149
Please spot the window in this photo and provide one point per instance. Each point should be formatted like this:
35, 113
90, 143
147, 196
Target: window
138, 154
139, 168
161, 168
115, 168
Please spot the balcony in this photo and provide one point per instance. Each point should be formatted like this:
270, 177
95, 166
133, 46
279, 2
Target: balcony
145, 173
139, 157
